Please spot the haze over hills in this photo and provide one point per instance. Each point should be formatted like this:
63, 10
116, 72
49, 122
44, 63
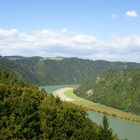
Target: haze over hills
59, 70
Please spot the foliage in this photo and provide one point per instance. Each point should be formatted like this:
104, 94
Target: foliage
26, 113
105, 132
43, 71
119, 89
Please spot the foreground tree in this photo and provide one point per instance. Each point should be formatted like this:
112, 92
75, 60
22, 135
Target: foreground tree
27, 113
105, 132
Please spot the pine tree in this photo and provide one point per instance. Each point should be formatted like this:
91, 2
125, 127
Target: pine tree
105, 132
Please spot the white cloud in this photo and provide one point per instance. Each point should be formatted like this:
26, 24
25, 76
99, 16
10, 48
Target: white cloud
81, 38
132, 13
63, 42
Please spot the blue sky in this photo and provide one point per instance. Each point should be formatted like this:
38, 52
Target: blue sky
84, 16
103, 20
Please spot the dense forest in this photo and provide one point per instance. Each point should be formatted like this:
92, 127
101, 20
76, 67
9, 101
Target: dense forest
116, 88
59, 70
27, 113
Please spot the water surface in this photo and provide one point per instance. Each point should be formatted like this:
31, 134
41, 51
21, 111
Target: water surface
51, 88
123, 128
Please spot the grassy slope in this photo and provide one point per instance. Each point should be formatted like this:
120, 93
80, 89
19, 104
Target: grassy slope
101, 108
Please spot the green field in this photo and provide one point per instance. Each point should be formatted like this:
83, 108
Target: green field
77, 100
101, 108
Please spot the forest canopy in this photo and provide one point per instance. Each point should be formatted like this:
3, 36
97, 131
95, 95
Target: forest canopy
27, 113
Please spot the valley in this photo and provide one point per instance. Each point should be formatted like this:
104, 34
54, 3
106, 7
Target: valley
69, 70
96, 88
66, 94
120, 123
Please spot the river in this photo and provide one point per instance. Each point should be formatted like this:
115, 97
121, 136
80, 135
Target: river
123, 128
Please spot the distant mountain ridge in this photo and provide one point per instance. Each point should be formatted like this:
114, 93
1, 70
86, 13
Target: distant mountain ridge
59, 70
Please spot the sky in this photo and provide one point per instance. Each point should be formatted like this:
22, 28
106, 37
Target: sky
91, 29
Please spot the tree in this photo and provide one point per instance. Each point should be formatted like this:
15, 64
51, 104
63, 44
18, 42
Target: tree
105, 132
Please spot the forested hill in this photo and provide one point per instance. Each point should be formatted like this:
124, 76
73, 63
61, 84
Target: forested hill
119, 89
27, 113
59, 70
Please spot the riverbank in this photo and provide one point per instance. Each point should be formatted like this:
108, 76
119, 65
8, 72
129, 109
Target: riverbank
66, 94
61, 94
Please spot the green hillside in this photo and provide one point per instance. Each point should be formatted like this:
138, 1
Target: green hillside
119, 89
27, 113
59, 70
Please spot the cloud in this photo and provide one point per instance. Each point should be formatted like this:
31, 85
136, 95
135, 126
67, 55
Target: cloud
50, 43
131, 13
85, 39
